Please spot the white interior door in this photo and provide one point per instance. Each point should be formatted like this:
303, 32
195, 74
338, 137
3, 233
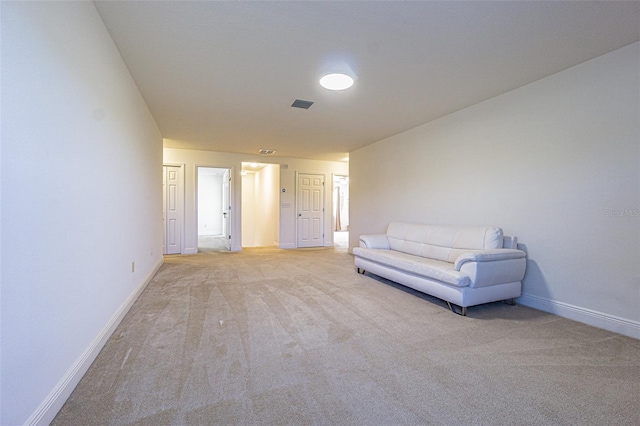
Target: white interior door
226, 205
172, 209
310, 210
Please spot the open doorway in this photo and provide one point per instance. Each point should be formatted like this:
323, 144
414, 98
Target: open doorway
214, 209
260, 205
341, 211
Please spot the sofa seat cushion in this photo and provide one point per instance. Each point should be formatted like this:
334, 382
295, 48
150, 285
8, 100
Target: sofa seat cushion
435, 269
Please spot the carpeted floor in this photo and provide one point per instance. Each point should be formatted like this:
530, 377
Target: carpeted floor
297, 337
211, 243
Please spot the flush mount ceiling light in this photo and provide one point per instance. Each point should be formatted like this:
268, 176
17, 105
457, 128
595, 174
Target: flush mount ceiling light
336, 81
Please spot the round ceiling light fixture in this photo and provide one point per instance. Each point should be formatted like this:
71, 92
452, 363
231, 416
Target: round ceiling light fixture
336, 81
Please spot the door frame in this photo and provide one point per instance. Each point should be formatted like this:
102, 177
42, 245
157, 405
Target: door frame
180, 206
232, 209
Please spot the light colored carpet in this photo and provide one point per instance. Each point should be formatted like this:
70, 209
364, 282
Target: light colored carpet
341, 239
210, 243
297, 337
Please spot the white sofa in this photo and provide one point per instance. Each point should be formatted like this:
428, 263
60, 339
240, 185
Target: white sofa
463, 265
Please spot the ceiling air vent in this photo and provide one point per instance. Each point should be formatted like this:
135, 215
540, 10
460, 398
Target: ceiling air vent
299, 103
265, 151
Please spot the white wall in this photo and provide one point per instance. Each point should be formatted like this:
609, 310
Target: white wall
248, 210
260, 207
288, 169
556, 163
267, 206
81, 200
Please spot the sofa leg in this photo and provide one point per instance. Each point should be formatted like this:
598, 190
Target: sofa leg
463, 310
361, 271
510, 302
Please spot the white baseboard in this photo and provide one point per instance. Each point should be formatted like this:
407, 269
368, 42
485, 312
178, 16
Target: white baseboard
587, 316
48, 408
288, 246
190, 250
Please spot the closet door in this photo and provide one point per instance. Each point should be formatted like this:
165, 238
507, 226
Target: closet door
172, 215
310, 210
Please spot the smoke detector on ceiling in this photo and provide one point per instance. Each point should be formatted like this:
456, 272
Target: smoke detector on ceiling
266, 151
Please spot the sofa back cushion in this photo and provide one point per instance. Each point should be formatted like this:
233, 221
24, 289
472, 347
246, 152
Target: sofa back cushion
444, 243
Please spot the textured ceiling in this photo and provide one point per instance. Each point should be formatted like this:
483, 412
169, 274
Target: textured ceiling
222, 76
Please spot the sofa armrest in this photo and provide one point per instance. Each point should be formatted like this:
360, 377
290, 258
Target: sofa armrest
492, 267
374, 241
488, 256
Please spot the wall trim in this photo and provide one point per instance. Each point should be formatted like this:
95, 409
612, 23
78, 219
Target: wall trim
608, 322
50, 406
288, 245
